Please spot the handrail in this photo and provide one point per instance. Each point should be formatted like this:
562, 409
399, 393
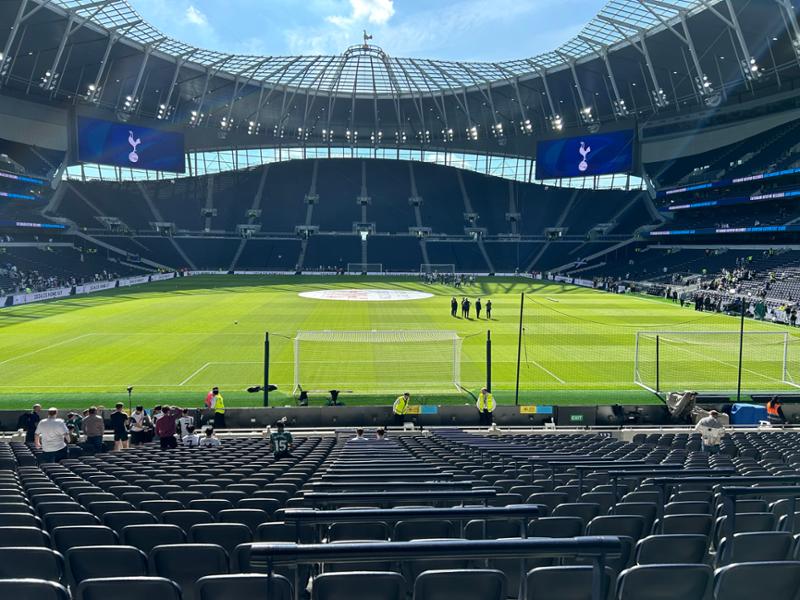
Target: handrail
729, 495
389, 485
662, 483
383, 476
597, 548
331, 498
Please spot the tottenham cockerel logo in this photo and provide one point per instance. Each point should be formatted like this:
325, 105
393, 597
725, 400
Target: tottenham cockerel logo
133, 157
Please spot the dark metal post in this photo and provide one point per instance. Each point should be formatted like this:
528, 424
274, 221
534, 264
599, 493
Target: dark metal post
266, 369
489, 360
658, 366
741, 347
519, 346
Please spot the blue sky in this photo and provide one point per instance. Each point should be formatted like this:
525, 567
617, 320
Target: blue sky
443, 29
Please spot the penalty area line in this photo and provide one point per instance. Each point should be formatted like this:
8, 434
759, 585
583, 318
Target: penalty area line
193, 374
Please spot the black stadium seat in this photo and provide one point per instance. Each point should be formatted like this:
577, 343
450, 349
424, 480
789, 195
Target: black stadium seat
358, 585
185, 564
32, 589
128, 588
239, 586
91, 562
27, 562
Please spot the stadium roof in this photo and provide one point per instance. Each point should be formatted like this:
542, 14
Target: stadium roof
366, 69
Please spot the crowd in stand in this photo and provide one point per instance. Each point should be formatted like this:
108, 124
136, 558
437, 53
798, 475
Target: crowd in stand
27, 282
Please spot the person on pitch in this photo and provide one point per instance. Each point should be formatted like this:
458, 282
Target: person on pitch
478, 308
486, 405
453, 307
488, 310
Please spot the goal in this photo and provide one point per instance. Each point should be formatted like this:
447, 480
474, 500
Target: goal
429, 268
369, 268
667, 361
377, 361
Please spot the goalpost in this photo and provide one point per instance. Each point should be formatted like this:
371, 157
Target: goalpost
429, 268
369, 268
377, 361
666, 361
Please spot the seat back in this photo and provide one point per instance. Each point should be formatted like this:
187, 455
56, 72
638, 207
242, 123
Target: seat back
32, 589
672, 549
240, 586
562, 583
91, 562
464, 584
665, 582
128, 588
147, 537
34, 563
338, 586
227, 535
761, 546
745, 581
186, 563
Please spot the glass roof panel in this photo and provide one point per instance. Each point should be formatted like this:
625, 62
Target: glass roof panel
367, 70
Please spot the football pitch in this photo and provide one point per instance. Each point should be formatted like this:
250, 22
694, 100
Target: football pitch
174, 340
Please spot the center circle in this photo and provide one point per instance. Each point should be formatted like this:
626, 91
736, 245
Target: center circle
366, 295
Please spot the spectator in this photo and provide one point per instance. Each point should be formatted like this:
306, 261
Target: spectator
711, 430
184, 422
165, 429
191, 439
119, 425
28, 422
94, 427
359, 436
281, 441
210, 440
52, 436
139, 423
380, 435
154, 417
76, 421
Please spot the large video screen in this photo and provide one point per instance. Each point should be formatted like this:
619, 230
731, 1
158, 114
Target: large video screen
127, 145
591, 154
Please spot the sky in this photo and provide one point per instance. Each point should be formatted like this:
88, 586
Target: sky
470, 30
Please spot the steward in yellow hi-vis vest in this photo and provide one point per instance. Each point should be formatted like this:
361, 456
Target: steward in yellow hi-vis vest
485, 405
400, 408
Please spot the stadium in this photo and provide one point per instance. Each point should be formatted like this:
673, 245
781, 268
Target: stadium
399, 303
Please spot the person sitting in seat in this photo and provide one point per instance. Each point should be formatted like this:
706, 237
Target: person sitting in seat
359, 436
210, 440
380, 435
281, 441
191, 439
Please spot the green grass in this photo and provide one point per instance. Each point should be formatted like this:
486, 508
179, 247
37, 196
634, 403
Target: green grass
173, 340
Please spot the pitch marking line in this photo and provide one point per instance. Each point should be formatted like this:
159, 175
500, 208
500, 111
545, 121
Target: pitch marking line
193, 374
549, 372
722, 362
69, 341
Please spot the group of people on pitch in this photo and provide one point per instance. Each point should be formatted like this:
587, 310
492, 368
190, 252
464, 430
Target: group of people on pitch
466, 306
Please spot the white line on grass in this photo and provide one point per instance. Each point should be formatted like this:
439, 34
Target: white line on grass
69, 341
548, 371
722, 362
193, 374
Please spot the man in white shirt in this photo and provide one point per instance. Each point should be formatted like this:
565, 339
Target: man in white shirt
712, 431
184, 421
52, 436
359, 436
191, 439
210, 440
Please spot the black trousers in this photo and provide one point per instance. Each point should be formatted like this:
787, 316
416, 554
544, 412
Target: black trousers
485, 417
168, 442
219, 420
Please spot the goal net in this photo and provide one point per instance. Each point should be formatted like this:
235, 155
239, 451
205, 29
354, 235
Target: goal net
359, 268
377, 361
431, 268
667, 361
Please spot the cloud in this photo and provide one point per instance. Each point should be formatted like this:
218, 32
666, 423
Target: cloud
375, 12
194, 16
